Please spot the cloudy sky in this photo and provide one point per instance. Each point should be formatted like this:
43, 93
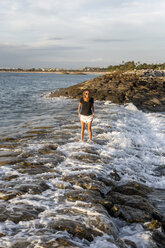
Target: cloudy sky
78, 33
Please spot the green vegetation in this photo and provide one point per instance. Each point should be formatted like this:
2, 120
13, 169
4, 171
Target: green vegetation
131, 65
124, 66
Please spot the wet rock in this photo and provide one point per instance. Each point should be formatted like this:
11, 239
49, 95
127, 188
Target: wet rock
20, 243
106, 181
86, 157
130, 243
32, 168
136, 202
134, 188
85, 195
43, 127
11, 177
163, 224
47, 176
129, 214
8, 195
159, 238
20, 212
99, 220
61, 137
8, 146
105, 225
86, 182
43, 156
114, 175
26, 136
130, 202
75, 228
32, 187
38, 132
2, 234
7, 139
152, 225
156, 101
72, 127
9, 161
48, 149
2, 211
59, 243
122, 88
8, 154
98, 130
90, 150
154, 73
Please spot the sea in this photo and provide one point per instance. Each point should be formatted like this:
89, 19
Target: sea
41, 155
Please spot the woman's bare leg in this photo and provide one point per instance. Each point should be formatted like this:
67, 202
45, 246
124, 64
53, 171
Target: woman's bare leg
90, 130
82, 130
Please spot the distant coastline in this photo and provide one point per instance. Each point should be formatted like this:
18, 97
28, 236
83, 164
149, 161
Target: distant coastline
123, 67
55, 72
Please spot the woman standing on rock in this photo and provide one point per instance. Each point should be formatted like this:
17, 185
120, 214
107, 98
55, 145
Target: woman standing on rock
86, 113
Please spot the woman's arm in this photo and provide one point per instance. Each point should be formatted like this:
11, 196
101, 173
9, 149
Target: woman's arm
93, 110
79, 107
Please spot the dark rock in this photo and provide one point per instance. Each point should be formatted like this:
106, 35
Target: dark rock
86, 196
135, 201
20, 212
130, 202
101, 220
134, 188
38, 132
122, 88
86, 157
114, 175
86, 182
20, 243
32, 168
11, 177
129, 214
8, 195
163, 224
59, 243
8, 146
75, 228
159, 238
32, 187
130, 243
152, 225
48, 149
154, 73
9, 161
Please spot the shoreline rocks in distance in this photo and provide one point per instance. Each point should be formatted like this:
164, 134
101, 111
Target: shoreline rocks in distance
145, 89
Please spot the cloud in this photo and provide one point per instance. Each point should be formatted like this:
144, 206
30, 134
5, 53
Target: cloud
85, 28
55, 38
109, 40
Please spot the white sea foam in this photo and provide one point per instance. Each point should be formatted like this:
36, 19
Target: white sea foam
125, 139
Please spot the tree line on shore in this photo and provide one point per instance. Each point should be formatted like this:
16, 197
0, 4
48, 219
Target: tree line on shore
124, 66
131, 65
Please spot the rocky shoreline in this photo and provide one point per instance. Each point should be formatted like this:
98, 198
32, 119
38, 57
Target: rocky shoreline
146, 90
58, 192
106, 197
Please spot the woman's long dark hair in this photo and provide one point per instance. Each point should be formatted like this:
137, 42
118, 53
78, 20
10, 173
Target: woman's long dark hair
84, 93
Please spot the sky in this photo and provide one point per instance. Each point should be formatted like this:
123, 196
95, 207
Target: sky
77, 33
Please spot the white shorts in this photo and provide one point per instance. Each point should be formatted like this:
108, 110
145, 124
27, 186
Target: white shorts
86, 118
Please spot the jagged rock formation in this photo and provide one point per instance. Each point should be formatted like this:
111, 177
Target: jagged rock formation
145, 92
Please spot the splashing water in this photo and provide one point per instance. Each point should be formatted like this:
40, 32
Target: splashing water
44, 158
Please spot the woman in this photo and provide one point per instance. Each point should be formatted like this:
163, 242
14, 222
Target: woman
86, 113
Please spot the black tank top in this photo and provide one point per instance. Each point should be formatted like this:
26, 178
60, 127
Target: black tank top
86, 107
